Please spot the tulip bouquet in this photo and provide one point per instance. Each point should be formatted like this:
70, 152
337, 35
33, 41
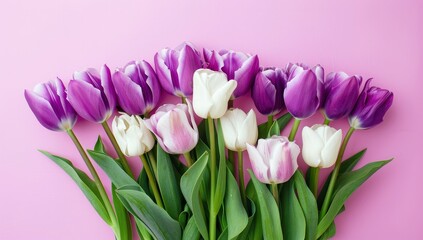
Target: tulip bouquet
192, 184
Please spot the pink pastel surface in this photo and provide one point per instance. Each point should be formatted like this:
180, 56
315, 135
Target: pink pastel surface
43, 39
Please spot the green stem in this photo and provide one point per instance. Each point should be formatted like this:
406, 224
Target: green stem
294, 129
241, 177
153, 162
326, 122
275, 192
335, 173
231, 159
117, 148
269, 122
314, 180
212, 220
188, 159
152, 181
97, 180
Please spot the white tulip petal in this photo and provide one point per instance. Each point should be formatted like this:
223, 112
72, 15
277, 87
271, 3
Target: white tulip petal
331, 150
312, 147
248, 131
220, 99
229, 131
277, 161
201, 99
259, 168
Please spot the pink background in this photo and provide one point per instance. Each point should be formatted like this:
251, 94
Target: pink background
44, 39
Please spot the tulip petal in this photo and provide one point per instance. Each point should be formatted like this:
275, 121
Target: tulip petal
245, 74
189, 62
301, 95
131, 98
42, 110
213, 59
221, 98
331, 149
109, 90
229, 128
263, 94
257, 164
176, 132
312, 147
87, 101
202, 101
248, 131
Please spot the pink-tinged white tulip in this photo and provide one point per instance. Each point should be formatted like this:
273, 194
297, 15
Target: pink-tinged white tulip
239, 129
132, 136
212, 92
321, 145
274, 160
174, 127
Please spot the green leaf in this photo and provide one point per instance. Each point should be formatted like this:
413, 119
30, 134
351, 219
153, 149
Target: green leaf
190, 184
274, 130
221, 175
191, 232
223, 235
270, 219
87, 186
143, 182
99, 146
346, 185
330, 232
184, 216
122, 216
293, 220
245, 233
168, 184
142, 230
282, 122
346, 166
116, 174
308, 205
158, 222
236, 215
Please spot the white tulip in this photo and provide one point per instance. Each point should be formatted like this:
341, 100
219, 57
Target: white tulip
321, 145
133, 137
211, 94
239, 129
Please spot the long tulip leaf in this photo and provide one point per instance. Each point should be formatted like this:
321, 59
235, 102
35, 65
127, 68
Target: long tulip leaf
87, 186
347, 184
190, 185
221, 175
270, 219
293, 220
236, 215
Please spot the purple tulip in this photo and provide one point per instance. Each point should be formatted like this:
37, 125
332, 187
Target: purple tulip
137, 88
175, 68
174, 127
92, 94
238, 66
49, 104
274, 160
267, 91
371, 106
341, 93
304, 91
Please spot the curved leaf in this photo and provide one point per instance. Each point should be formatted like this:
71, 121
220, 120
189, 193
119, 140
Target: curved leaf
87, 186
346, 185
221, 175
293, 220
190, 184
268, 210
236, 215
156, 219
191, 232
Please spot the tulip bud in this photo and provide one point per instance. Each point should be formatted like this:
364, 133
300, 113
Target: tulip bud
212, 92
132, 136
239, 129
175, 68
92, 94
274, 160
49, 104
341, 93
174, 127
371, 106
267, 92
304, 91
237, 65
321, 145
137, 88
